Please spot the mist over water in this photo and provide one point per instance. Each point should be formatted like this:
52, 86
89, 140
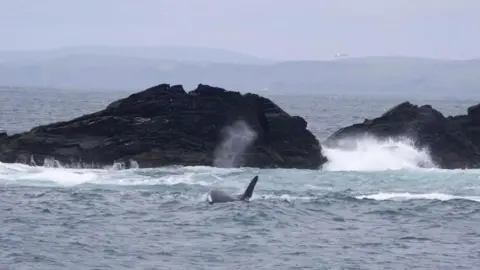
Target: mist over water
237, 138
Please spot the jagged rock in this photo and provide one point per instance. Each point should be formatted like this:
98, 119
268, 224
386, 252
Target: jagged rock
474, 113
164, 125
453, 142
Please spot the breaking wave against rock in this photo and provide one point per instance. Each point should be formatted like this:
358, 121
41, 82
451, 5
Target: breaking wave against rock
53, 171
370, 154
53, 163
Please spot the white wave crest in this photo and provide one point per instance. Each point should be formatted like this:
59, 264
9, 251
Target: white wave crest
370, 154
52, 173
412, 196
282, 197
24, 174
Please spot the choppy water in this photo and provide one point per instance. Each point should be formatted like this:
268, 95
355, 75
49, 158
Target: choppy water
371, 208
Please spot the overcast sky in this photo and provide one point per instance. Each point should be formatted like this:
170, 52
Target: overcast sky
277, 29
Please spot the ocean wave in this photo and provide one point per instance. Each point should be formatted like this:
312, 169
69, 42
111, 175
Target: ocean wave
416, 196
21, 174
370, 154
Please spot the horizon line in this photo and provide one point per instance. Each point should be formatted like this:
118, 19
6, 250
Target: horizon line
173, 46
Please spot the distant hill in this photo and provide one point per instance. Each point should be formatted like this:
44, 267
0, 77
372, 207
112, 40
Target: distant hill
177, 53
119, 68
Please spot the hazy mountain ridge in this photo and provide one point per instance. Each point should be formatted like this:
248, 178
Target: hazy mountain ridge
176, 53
89, 68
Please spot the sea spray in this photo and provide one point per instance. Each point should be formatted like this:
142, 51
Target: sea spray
371, 154
123, 165
237, 138
50, 162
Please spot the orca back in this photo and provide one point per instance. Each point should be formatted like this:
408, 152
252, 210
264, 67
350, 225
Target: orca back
216, 196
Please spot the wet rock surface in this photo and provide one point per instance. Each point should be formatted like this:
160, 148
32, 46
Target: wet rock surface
164, 125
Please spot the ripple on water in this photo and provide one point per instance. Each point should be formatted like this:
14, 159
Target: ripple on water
171, 226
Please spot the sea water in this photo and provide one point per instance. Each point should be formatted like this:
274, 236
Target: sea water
372, 206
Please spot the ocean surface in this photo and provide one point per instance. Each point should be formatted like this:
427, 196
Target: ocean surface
370, 208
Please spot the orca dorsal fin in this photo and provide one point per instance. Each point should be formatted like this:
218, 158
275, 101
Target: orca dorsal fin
249, 191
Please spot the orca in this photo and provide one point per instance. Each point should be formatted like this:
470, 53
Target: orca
219, 196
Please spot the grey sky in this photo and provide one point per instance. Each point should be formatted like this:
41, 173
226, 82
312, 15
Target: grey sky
278, 29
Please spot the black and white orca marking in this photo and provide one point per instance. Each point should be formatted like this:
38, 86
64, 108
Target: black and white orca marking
219, 196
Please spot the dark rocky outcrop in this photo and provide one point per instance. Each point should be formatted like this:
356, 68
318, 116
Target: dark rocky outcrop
164, 125
453, 142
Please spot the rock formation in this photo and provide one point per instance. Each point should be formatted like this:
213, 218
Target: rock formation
164, 125
453, 141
